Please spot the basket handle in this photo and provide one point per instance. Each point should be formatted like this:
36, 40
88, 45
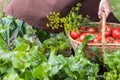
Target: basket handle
103, 21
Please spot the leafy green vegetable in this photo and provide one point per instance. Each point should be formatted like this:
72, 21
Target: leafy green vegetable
2, 42
76, 67
29, 61
112, 61
60, 43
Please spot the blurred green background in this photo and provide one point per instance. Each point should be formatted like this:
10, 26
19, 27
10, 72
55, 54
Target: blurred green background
115, 5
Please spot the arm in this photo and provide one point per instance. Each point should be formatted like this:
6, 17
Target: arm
104, 6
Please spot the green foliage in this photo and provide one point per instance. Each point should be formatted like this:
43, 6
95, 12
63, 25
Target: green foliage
42, 35
112, 61
3, 44
28, 61
10, 29
111, 75
60, 43
72, 21
76, 67
115, 8
54, 20
19, 63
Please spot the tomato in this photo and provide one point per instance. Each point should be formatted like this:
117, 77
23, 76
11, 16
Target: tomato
96, 40
82, 28
116, 32
74, 34
109, 39
78, 39
107, 34
108, 30
116, 41
82, 36
91, 30
98, 35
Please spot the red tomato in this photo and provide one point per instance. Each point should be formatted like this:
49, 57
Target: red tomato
116, 41
98, 35
74, 34
116, 32
96, 40
109, 39
82, 28
108, 30
91, 30
78, 39
107, 34
82, 36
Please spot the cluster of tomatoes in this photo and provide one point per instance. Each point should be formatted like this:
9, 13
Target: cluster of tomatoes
112, 34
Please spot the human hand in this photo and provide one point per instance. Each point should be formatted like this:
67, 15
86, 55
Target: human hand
104, 6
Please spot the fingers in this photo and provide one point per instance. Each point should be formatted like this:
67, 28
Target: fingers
107, 12
104, 6
100, 13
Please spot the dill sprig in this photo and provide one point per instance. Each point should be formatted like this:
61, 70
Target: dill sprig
72, 21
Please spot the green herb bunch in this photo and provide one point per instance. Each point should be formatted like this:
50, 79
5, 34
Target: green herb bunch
54, 20
72, 21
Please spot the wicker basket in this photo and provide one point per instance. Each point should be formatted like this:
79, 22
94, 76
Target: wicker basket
100, 46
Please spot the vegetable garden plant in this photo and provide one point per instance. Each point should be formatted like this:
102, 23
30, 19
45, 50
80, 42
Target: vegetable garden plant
31, 58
